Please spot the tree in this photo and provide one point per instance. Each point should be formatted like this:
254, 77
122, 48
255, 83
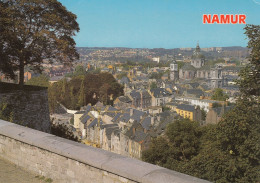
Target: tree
79, 70
180, 144
80, 90
180, 65
158, 152
35, 30
153, 85
250, 75
6, 112
41, 80
219, 95
184, 138
82, 101
63, 131
203, 115
233, 152
121, 75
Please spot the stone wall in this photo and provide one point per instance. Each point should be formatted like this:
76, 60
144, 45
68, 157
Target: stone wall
66, 161
29, 108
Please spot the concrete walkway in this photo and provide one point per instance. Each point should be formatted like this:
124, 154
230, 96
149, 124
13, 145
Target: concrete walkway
10, 173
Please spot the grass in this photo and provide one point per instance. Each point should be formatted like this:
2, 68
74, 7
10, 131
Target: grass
48, 180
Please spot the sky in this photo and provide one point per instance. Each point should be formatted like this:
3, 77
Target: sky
159, 23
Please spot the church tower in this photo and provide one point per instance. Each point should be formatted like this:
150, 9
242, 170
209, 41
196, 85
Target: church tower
216, 79
174, 74
197, 60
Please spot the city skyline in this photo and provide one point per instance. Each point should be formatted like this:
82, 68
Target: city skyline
159, 24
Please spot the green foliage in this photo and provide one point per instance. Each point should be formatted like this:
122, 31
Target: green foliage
219, 95
158, 152
164, 108
180, 65
79, 70
121, 75
82, 90
249, 81
6, 112
41, 80
82, 96
153, 85
183, 135
49, 180
181, 143
214, 62
63, 131
203, 114
156, 75
33, 31
215, 105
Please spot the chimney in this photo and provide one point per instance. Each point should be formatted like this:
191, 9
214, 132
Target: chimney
133, 131
141, 117
141, 93
152, 121
131, 111
159, 118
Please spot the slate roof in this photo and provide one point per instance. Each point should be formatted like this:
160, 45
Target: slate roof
95, 123
80, 112
117, 117
99, 104
188, 66
196, 92
205, 87
111, 114
139, 136
85, 119
124, 80
136, 94
146, 123
125, 117
142, 78
136, 114
159, 92
86, 108
205, 67
124, 99
186, 107
194, 85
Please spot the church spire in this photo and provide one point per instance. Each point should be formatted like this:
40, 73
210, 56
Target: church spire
197, 50
198, 47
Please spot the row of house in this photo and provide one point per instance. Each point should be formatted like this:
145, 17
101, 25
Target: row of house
144, 99
125, 132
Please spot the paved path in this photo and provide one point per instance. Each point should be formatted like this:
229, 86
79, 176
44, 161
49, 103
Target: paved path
10, 173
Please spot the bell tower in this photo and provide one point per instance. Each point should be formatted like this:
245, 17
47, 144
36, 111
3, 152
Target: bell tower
174, 74
197, 60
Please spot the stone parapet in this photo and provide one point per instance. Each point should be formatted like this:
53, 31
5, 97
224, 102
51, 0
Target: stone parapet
67, 161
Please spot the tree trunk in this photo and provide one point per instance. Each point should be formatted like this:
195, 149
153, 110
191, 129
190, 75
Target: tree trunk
21, 73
